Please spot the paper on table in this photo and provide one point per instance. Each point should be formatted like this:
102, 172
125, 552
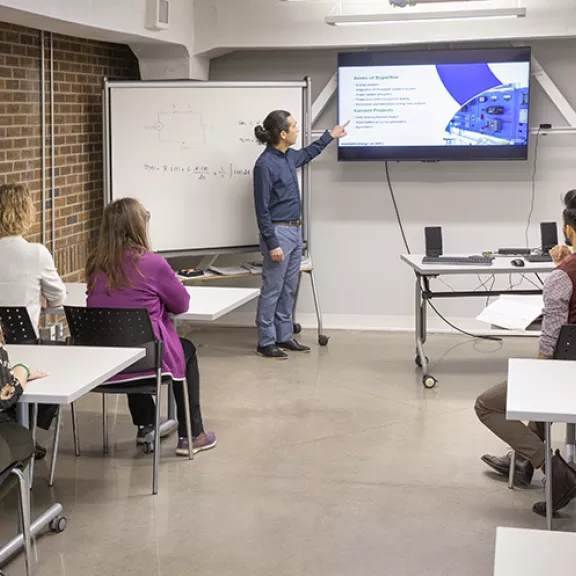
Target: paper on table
512, 313
229, 270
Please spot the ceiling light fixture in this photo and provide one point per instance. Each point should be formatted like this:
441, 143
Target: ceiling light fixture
445, 15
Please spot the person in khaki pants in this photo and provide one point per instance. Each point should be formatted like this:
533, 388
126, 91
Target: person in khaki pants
528, 440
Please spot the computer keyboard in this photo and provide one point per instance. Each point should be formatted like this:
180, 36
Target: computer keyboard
538, 258
458, 260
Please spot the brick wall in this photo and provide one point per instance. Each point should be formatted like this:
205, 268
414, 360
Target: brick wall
79, 66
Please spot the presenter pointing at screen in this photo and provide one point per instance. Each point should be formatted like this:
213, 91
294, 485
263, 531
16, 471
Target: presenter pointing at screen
277, 201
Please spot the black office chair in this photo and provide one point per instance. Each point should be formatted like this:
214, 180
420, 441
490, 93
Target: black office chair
8, 477
565, 350
18, 329
126, 328
17, 326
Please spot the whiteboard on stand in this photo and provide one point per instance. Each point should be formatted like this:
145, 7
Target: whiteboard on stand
187, 152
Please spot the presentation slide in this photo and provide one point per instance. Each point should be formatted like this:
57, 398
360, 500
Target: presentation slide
471, 104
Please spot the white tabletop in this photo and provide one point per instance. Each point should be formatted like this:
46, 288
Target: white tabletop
500, 265
72, 370
533, 552
541, 390
207, 303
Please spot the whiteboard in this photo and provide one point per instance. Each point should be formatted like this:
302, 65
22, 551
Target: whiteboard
187, 152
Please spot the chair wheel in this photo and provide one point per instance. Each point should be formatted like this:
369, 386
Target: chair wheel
58, 525
429, 381
418, 362
323, 340
297, 328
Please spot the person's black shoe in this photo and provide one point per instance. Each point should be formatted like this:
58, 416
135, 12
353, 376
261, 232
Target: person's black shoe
271, 351
39, 452
293, 346
563, 480
501, 464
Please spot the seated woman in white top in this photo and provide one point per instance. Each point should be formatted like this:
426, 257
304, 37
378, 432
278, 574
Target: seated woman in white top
29, 274
29, 270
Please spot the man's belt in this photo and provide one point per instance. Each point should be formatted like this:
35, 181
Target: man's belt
295, 223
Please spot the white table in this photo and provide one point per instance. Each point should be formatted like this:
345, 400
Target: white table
207, 303
542, 391
533, 552
423, 292
72, 372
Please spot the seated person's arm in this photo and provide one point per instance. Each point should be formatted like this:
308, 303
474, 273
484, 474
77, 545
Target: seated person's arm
171, 291
53, 289
13, 382
557, 295
560, 253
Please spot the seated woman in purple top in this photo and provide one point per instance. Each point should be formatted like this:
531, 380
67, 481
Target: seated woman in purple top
123, 273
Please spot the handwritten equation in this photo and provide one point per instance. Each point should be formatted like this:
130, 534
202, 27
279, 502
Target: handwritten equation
248, 126
200, 171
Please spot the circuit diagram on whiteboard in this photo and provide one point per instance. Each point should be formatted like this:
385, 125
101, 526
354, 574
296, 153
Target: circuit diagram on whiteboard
182, 126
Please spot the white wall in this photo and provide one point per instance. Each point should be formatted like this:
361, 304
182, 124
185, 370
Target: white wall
485, 205
162, 53
225, 25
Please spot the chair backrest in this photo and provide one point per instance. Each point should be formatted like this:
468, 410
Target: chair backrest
17, 325
121, 327
566, 344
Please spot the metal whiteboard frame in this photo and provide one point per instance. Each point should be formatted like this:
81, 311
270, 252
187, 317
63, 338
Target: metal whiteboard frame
306, 191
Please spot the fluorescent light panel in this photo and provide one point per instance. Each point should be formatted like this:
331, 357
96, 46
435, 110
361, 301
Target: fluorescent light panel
354, 19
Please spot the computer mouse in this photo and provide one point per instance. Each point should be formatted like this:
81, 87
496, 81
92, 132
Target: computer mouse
519, 263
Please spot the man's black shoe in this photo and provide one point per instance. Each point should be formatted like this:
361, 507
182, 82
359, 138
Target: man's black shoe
501, 464
271, 351
293, 346
39, 452
563, 480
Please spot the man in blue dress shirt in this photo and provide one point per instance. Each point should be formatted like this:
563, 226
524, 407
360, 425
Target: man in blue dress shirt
277, 201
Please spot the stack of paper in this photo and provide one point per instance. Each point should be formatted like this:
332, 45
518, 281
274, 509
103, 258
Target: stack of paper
513, 312
229, 270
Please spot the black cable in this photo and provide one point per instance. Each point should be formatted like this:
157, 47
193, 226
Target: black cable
531, 282
400, 225
511, 285
484, 282
491, 288
532, 201
540, 279
492, 338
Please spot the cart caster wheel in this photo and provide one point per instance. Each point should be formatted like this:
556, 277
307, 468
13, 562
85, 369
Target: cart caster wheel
323, 340
429, 381
58, 525
418, 362
297, 328
148, 448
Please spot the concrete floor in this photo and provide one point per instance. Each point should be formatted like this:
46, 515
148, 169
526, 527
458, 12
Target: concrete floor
338, 463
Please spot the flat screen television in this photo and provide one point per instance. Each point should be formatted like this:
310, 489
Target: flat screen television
435, 104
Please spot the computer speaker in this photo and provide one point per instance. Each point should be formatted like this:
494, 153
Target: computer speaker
433, 236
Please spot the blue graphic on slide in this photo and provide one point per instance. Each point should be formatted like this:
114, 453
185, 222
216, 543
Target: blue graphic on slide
492, 113
464, 81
